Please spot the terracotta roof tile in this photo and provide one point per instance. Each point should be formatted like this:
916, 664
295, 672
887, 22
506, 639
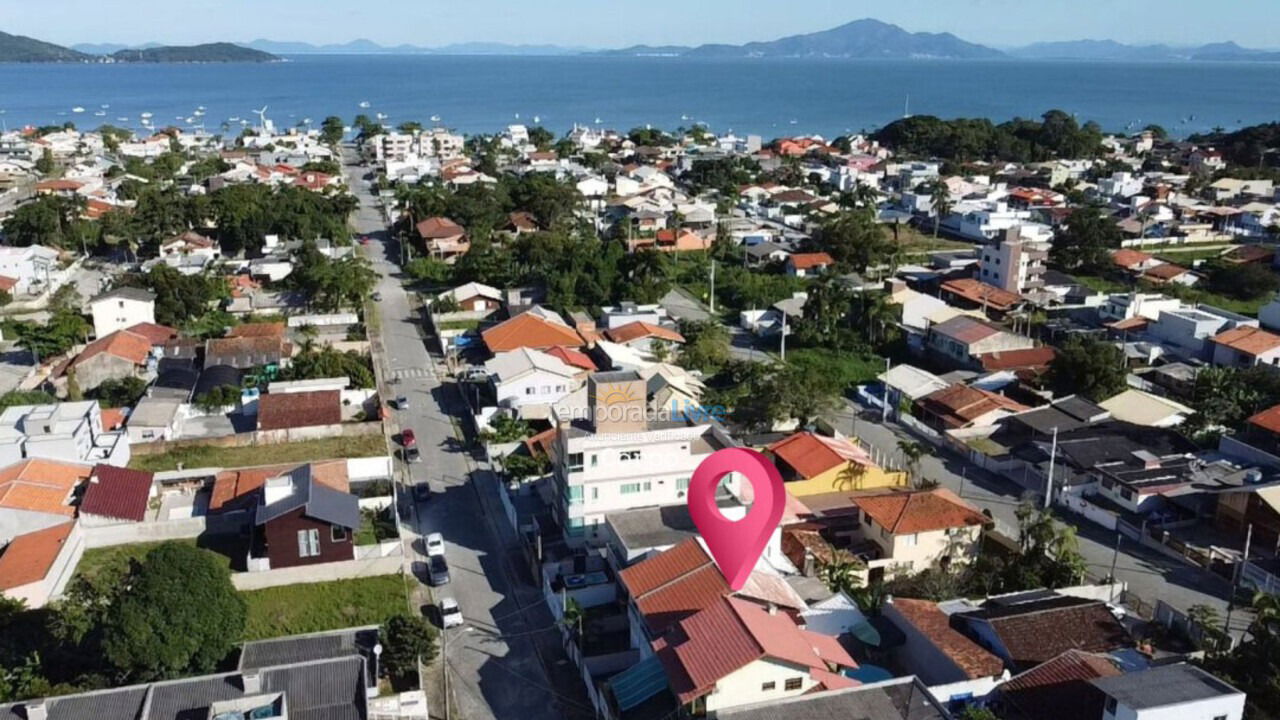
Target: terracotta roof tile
934, 624
808, 261
439, 228
907, 513
981, 293
573, 357
811, 455
278, 411
230, 486
960, 404
122, 344
1043, 633
113, 419
531, 331
267, 329
42, 486
1060, 687
637, 330
116, 492
28, 557
1017, 359
1248, 340
155, 334
1268, 419
965, 329
1129, 259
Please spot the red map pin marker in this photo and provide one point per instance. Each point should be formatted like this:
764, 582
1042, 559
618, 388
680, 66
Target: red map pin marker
736, 544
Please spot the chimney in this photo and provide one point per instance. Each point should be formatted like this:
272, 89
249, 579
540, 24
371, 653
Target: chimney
36, 710
252, 682
277, 488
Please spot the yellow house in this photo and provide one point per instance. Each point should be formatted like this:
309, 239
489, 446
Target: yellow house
919, 530
815, 465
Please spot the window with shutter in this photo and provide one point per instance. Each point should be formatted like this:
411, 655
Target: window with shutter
302, 543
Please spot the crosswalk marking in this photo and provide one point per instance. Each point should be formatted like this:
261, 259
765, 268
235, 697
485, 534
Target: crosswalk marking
411, 373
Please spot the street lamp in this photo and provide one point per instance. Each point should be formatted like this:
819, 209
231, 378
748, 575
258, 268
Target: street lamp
377, 653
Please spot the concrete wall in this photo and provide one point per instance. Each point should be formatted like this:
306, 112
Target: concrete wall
371, 567
866, 478
128, 533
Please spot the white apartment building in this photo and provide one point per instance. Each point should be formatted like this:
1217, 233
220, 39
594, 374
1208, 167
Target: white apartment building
1121, 184
1131, 305
31, 267
983, 222
68, 432
1013, 264
122, 308
613, 453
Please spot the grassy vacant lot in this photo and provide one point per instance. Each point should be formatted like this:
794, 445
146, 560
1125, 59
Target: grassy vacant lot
916, 243
98, 560
297, 609
851, 369
297, 452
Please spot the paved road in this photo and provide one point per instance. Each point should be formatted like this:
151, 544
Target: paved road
1149, 574
506, 662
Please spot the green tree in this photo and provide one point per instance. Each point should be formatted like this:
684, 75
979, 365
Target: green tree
1092, 368
842, 573
44, 165
1086, 242
505, 428
940, 195
406, 641
26, 397
541, 137
218, 398
181, 616
706, 346
326, 362
853, 240
331, 130
1243, 282
122, 392
912, 452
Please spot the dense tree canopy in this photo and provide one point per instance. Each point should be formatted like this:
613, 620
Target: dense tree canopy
1057, 135
1086, 242
1091, 368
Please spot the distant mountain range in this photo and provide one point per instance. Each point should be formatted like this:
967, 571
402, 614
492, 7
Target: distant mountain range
862, 39
369, 47
18, 48
1112, 50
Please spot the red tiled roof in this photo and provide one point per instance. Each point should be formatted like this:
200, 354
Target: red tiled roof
278, 411
43, 486
729, 635
934, 624
636, 330
155, 334
807, 261
908, 513
266, 329
231, 485
439, 228
960, 404
1017, 359
811, 455
531, 331
573, 357
122, 344
7, 283
1134, 323
1129, 259
965, 329
522, 220
1164, 272
1268, 419
1248, 340
1042, 634
28, 557
112, 418
978, 292
1060, 688
116, 492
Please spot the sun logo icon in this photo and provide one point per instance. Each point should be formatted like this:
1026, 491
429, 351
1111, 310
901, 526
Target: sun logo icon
616, 394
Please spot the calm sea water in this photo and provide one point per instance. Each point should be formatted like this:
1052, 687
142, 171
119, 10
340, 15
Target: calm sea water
770, 97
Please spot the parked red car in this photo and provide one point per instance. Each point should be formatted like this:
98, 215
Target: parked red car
408, 439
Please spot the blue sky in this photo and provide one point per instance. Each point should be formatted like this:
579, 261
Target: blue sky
613, 23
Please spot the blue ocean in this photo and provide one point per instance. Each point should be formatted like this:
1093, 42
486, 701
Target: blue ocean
476, 94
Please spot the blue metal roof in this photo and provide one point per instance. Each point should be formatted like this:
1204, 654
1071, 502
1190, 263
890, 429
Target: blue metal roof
638, 683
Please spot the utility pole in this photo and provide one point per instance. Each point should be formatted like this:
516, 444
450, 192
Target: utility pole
784, 336
884, 415
713, 287
1053, 457
1115, 559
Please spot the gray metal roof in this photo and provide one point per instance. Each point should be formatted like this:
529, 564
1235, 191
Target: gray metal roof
1165, 685
321, 502
303, 648
127, 293
332, 689
897, 699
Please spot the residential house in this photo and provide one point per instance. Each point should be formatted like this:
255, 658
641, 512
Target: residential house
533, 330
1143, 408
122, 354
645, 337
301, 521
813, 464
1169, 692
950, 664
473, 297
38, 494
36, 566
1168, 273
443, 238
963, 406
919, 530
122, 308
907, 384
525, 377
808, 264
30, 268
738, 653
1245, 347
240, 490
1189, 332
961, 340
681, 240
245, 352
67, 431
611, 453
290, 411
1135, 261
1058, 688
1127, 306
116, 495
977, 295
1027, 630
190, 252
1250, 508
157, 418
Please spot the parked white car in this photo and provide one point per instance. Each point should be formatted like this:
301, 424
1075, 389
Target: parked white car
450, 614
435, 544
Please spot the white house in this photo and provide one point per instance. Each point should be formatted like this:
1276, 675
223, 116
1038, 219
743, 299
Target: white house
67, 431
35, 567
28, 268
524, 377
122, 308
1169, 692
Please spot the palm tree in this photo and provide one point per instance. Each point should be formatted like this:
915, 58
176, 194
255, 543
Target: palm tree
911, 452
940, 194
842, 573
572, 618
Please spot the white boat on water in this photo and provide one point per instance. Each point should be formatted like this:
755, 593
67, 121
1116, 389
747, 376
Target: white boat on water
198, 113
145, 115
77, 109
364, 103
122, 119
101, 113
234, 119
537, 119
435, 118
104, 106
